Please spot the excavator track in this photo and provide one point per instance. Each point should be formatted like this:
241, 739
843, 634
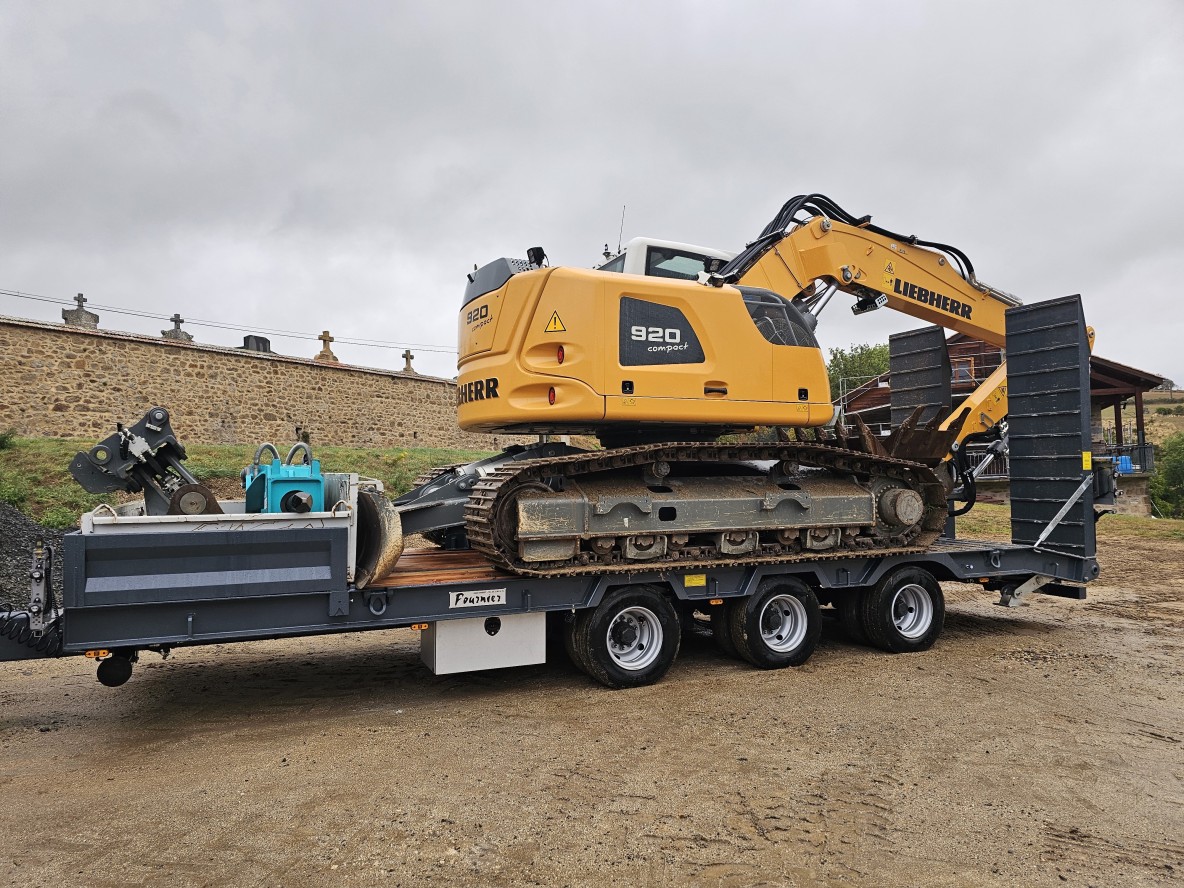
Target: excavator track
491, 527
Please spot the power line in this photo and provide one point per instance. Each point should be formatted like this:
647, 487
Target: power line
220, 325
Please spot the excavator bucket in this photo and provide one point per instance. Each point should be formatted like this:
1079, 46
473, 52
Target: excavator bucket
926, 444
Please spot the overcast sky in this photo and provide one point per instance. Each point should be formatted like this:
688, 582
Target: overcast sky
311, 165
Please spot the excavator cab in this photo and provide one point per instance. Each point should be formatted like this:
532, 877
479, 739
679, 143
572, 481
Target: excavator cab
668, 259
634, 357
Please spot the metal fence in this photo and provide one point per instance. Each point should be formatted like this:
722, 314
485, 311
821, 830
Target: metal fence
1130, 458
1127, 458
998, 468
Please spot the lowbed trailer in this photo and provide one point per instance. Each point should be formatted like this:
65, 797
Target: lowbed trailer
135, 583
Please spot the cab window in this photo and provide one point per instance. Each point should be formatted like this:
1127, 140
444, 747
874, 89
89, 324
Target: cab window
617, 265
668, 263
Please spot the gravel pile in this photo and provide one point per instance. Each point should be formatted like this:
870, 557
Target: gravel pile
17, 536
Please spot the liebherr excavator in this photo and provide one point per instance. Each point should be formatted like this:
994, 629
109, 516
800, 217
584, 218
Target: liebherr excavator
659, 366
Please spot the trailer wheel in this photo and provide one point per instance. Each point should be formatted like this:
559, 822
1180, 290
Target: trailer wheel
557, 633
904, 612
778, 626
850, 604
721, 628
629, 640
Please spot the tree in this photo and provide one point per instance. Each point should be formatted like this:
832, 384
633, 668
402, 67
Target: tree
1167, 484
856, 365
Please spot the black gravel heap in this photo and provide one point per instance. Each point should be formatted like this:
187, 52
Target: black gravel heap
17, 536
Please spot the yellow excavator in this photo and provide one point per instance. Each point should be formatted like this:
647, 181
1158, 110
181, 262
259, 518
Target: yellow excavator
660, 365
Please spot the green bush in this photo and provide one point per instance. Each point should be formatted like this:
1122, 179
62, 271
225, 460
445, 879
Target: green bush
7, 439
1163, 411
13, 492
60, 518
1167, 484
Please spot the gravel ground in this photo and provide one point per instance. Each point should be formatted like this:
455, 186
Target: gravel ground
17, 536
1041, 746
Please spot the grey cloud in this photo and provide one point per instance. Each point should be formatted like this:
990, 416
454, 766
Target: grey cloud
310, 165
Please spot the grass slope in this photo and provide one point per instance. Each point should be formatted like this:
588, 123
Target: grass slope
34, 474
993, 522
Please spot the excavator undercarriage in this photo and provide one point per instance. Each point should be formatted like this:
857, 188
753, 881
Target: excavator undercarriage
696, 505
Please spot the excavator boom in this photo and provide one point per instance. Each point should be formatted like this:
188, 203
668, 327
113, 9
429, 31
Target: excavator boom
879, 268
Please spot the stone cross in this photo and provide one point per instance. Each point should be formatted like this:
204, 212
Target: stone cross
177, 333
325, 354
407, 356
80, 317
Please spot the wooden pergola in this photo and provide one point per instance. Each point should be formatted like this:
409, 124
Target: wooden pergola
1113, 384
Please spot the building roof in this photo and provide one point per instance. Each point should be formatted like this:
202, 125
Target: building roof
1110, 383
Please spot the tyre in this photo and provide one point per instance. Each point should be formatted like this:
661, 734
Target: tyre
849, 604
629, 640
557, 625
778, 626
904, 612
721, 627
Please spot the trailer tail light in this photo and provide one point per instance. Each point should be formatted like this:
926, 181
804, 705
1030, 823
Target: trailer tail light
559, 354
551, 395
419, 627
98, 654
716, 601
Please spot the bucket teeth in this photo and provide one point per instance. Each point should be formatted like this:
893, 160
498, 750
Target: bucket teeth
925, 444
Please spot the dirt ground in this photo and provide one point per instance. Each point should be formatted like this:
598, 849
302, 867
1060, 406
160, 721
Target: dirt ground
1038, 746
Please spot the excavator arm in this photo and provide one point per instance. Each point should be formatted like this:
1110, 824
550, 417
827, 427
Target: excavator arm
814, 247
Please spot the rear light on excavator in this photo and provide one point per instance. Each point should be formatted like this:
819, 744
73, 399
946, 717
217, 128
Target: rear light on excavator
551, 395
559, 354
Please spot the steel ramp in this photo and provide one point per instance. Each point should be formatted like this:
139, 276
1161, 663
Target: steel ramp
1049, 427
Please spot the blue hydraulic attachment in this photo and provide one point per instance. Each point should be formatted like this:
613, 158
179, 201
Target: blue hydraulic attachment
277, 486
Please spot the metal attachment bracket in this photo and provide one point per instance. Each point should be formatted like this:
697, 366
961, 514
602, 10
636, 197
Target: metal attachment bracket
1013, 596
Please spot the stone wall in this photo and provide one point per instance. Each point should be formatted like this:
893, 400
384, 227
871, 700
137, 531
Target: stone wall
68, 382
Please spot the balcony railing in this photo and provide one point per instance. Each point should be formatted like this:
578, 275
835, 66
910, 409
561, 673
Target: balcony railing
998, 467
1129, 458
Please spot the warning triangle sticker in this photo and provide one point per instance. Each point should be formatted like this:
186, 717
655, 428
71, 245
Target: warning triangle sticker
555, 325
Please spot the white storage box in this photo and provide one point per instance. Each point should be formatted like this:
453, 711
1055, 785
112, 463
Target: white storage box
449, 646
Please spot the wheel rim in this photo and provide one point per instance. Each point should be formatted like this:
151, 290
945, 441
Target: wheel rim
783, 623
634, 638
912, 611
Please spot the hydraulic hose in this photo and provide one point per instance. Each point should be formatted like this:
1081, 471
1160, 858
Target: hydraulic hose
821, 205
964, 472
266, 445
